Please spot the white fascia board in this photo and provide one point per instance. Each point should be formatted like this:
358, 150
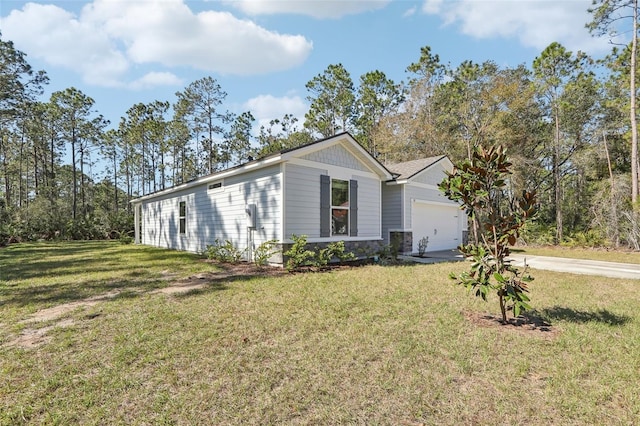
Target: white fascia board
396, 182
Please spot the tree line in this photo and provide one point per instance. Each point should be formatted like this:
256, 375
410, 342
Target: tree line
569, 123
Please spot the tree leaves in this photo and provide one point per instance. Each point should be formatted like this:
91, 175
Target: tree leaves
478, 185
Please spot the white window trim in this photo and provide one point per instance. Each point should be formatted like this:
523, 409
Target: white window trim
181, 218
348, 209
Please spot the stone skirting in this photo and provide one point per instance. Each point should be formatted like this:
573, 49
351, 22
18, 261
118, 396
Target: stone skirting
403, 240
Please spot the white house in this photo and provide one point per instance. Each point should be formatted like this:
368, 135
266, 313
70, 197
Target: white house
329, 190
413, 208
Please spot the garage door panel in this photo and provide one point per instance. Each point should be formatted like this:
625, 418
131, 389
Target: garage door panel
439, 223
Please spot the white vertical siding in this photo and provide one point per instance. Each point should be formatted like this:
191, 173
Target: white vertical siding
216, 214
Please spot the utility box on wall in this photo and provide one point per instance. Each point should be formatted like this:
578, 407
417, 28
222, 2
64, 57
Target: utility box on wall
250, 210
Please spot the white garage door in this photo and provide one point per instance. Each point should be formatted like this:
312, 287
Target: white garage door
439, 223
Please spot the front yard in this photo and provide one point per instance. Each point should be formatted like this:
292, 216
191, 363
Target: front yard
102, 333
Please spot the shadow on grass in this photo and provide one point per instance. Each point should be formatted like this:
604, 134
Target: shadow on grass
603, 316
74, 291
38, 260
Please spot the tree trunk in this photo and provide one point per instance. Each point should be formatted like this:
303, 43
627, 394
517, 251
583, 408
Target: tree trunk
74, 193
614, 208
556, 180
632, 112
82, 183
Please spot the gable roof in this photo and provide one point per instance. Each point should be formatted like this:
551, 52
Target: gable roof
408, 169
342, 138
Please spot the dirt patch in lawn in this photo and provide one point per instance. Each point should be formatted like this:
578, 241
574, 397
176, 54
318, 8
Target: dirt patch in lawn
225, 273
33, 336
525, 324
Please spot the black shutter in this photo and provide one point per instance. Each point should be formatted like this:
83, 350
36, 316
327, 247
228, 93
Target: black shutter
325, 206
353, 206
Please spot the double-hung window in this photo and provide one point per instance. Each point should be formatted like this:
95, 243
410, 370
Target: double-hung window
182, 216
339, 207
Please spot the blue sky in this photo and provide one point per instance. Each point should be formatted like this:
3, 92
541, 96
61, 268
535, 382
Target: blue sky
263, 52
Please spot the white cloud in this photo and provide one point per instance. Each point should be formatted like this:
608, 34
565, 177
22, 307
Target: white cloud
63, 40
535, 23
108, 37
321, 9
267, 107
410, 12
155, 79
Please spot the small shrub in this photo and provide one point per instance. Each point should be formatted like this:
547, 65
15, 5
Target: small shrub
386, 254
224, 252
337, 250
422, 246
332, 251
125, 239
264, 251
394, 247
590, 238
298, 255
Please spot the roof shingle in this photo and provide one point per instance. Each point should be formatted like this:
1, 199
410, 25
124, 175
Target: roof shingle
408, 169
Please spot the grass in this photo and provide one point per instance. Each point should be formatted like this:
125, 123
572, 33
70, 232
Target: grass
606, 255
368, 345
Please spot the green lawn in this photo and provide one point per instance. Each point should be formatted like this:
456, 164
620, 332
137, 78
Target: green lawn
367, 345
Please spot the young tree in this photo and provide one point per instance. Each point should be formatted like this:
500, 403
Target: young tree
479, 185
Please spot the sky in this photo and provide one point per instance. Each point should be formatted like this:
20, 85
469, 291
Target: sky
263, 52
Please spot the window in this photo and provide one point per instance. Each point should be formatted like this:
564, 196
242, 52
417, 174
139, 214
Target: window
140, 219
339, 207
215, 186
183, 216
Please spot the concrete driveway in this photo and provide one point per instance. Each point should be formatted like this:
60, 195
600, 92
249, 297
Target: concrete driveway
558, 264
578, 266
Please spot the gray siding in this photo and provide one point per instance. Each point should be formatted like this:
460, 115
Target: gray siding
432, 176
302, 201
216, 214
368, 206
391, 209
